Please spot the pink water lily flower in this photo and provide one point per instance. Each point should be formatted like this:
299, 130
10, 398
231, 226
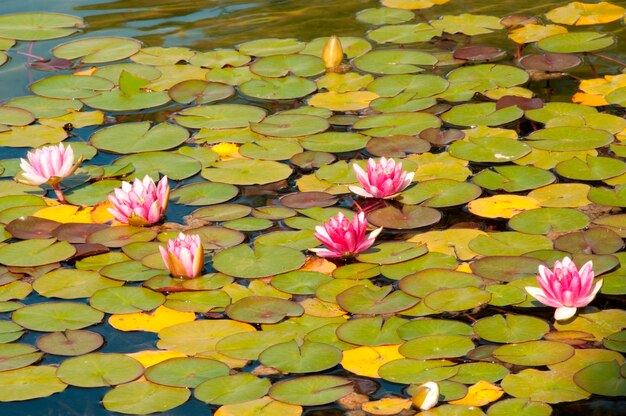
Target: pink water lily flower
344, 238
565, 287
184, 256
384, 179
49, 165
140, 203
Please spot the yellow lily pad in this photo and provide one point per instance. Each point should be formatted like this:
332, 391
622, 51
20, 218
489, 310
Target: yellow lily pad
365, 361
502, 206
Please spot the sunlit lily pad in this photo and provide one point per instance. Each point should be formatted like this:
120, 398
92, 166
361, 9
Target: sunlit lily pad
56, 316
513, 178
534, 353
489, 149
409, 33
576, 42
174, 165
519, 406
71, 284
144, 397
311, 390
487, 76
511, 328
603, 378
15, 356
246, 172
29, 383
468, 24
129, 138
98, 49
396, 123
242, 261
418, 371
592, 169
281, 65
308, 357
436, 346
545, 220
569, 138
35, 252
374, 300
481, 113
98, 370
285, 88
545, 386
384, 16
219, 116
38, 26
271, 46
335, 142
394, 61
126, 299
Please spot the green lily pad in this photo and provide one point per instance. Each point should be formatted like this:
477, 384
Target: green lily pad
70, 342
488, 76
174, 165
56, 316
616, 342
242, 261
509, 243
129, 138
396, 123
92, 193
271, 46
468, 24
513, 178
229, 389
280, 65
204, 193
72, 284
185, 372
615, 197
576, 42
126, 299
120, 236
534, 353
471, 373
594, 168
335, 142
223, 212
402, 34
423, 327
405, 218
311, 390
604, 378
10, 332
13, 116
427, 281
118, 100
543, 386
597, 240
521, 407
29, 383
430, 260
197, 301
511, 328
98, 49
270, 149
285, 88
440, 193
246, 172
42, 107
356, 271
38, 26
489, 149
375, 300
29, 253
144, 397
220, 116
384, 16
70, 86
99, 370
248, 224
306, 357
394, 61
371, 331
481, 114
545, 220
129, 271
409, 371
219, 58
290, 125
457, 299
199, 92
506, 268
392, 252
13, 356
300, 282
263, 309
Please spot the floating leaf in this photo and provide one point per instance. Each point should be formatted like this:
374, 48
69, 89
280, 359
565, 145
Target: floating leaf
144, 397
29, 383
38, 26
129, 138
311, 390
576, 42
579, 14
242, 261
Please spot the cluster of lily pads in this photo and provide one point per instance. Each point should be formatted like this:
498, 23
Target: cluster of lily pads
507, 183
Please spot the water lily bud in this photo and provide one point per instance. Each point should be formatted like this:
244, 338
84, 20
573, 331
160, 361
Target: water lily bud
332, 55
140, 203
184, 256
383, 180
426, 396
49, 165
343, 238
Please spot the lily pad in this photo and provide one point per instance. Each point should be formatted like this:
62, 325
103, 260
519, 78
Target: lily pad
35, 252
511, 328
220, 116
545, 220
126, 299
534, 353
307, 357
228, 389
174, 165
98, 49
263, 309
407, 217
246, 172
99, 370
242, 261
576, 42
394, 61
204, 193
70, 342
285, 88
311, 390
439, 193
436, 346
38, 26
129, 138
29, 383
144, 397
56, 316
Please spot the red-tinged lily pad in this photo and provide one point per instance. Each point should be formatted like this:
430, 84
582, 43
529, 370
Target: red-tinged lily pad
478, 53
405, 218
56, 316
76, 233
70, 342
29, 253
120, 236
303, 200
550, 62
597, 240
311, 390
99, 370
243, 261
263, 309
375, 300
32, 227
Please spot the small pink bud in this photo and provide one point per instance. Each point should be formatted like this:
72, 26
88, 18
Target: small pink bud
184, 256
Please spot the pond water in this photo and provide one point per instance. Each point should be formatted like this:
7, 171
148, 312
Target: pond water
489, 205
